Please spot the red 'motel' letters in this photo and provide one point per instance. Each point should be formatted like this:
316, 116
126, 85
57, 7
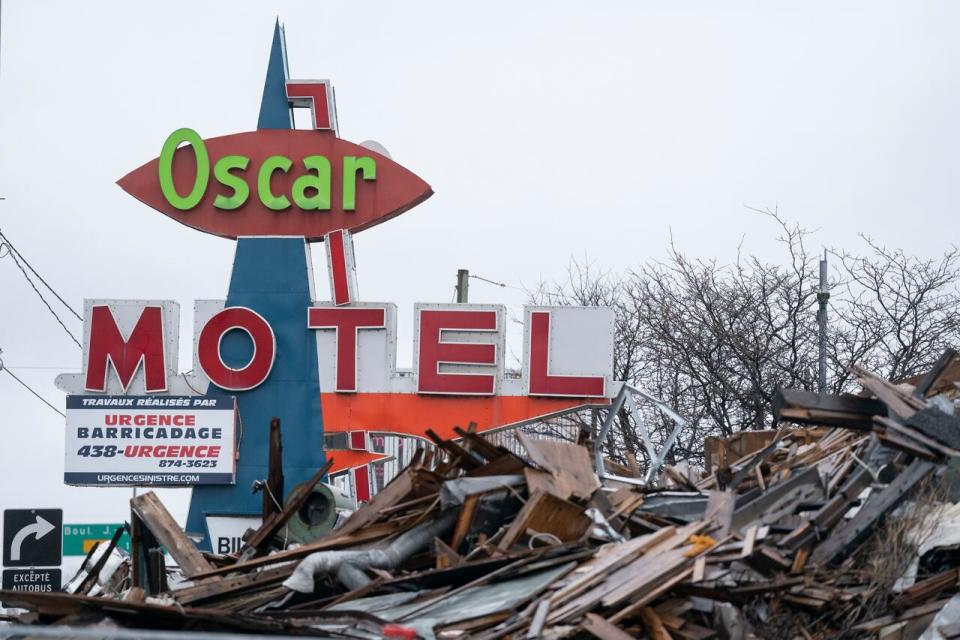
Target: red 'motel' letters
347, 322
434, 351
107, 345
542, 383
254, 372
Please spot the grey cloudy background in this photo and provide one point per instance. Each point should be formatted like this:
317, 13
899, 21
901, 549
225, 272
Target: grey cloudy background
546, 129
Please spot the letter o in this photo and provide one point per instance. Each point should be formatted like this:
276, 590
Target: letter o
165, 169
257, 369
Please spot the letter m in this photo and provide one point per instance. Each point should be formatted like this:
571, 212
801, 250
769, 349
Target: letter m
108, 348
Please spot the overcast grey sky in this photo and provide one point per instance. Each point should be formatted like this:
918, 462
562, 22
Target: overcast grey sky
545, 129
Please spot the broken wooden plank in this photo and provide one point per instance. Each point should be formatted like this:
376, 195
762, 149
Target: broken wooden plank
165, 529
93, 572
599, 628
832, 410
257, 543
780, 499
936, 371
539, 619
720, 507
273, 489
545, 513
848, 536
464, 521
901, 403
569, 463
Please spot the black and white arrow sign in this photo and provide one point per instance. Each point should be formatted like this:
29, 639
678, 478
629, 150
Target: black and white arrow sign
38, 529
32, 537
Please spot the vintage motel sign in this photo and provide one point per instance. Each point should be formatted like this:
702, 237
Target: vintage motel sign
326, 368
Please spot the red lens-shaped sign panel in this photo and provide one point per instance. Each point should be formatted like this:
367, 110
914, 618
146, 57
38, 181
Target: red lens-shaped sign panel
274, 182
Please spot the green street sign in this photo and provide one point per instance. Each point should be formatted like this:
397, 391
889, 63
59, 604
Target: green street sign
78, 539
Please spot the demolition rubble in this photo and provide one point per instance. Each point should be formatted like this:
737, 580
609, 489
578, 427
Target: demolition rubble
837, 524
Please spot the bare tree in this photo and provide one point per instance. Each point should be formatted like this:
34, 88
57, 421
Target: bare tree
897, 313
716, 340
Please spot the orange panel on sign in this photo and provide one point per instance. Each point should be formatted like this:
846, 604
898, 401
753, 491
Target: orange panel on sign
412, 414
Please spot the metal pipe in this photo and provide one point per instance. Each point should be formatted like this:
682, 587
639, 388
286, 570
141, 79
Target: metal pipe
389, 557
823, 295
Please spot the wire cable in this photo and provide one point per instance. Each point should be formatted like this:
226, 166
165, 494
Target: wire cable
494, 282
14, 250
30, 389
17, 257
44, 301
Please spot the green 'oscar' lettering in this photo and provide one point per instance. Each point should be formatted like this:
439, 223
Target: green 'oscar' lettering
310, 191
269, 200
351, 165
169, 190
241, 191
319, 182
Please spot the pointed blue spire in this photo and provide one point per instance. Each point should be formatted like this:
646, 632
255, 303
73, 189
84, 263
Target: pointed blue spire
272, 277
274, 108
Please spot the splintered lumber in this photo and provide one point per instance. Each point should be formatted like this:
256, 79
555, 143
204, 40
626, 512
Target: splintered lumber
720, 506
771, 529
876, 624
933, 375
544, 481
806, 407
933, 448
457, 453
848, 536
256, 544
779, 500
446, 557
607, 560
140, 614
273, 491
901, 403
570, 464
539, 619
545, 513
93, 572
829, 514
165, 529
600, 628
653, 623
484, 447
412, 482
924, 590
464, 520
633, 580
208, 590
333, 540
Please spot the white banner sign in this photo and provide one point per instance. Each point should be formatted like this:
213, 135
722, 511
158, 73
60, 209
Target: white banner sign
150, 440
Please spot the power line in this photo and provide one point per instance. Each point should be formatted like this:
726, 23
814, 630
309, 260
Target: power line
499, 284
44, 300
13, 250
17, 257
30, 389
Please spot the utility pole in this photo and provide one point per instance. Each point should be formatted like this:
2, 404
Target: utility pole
823, 295
463, 277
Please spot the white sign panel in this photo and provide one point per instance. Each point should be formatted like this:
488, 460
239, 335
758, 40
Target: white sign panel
150, 440
226, 532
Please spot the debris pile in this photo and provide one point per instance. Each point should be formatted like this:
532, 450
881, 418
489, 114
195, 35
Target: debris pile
802, 537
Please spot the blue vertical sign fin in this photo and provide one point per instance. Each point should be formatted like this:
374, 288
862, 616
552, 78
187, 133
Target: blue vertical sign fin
274, 108
272, 277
